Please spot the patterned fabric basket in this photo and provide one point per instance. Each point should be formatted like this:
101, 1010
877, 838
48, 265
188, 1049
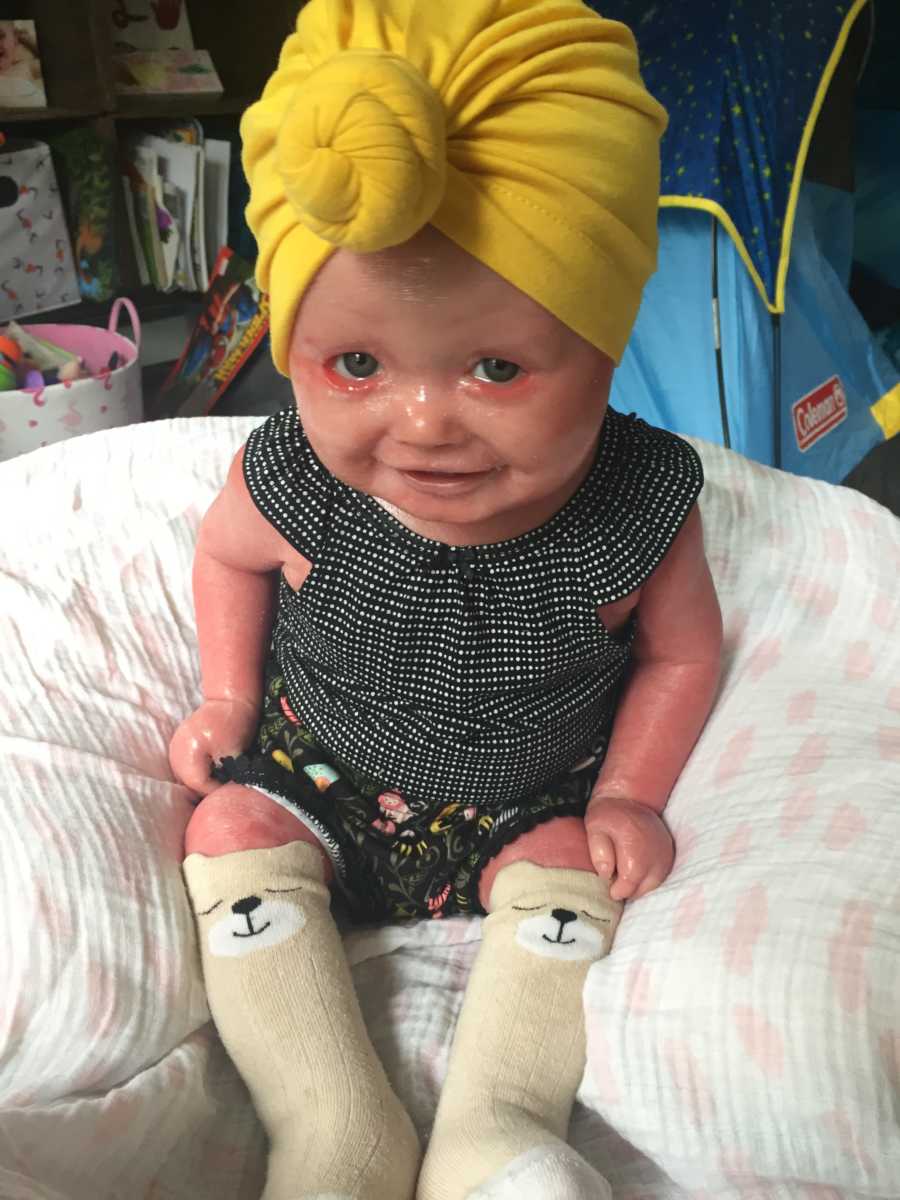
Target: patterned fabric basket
35, 417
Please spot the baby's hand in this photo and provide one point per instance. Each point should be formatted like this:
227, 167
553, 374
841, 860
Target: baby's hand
217, 729
631, 840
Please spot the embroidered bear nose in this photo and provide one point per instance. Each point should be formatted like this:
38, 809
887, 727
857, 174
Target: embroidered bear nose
564, 915
243, 908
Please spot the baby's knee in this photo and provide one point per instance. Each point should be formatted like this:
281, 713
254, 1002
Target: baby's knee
234, 818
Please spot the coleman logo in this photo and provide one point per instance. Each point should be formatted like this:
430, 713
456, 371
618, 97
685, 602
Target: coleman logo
819, 411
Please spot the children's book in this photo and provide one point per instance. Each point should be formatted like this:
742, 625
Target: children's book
166, 73
198, 228
173, 248
21, 79
216, 169
139, 168
136, 244
177, 203
151, 25
178, 164
233, 321
88, 184
21, 76
189, 132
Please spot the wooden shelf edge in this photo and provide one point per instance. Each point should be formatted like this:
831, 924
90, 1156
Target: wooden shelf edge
133, 110
150, 108
52, 112
151, 306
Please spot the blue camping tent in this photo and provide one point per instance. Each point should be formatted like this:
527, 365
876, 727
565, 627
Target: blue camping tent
747, 334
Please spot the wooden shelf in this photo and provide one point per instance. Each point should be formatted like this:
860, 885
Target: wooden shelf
76, 46
133, 110
51, 113
151, 305
152, 109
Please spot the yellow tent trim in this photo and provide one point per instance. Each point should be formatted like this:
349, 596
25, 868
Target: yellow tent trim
776, 304
886, 411
711, 206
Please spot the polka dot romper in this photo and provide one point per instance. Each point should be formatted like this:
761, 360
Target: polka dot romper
464, 676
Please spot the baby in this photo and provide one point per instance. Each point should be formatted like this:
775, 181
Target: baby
457, 631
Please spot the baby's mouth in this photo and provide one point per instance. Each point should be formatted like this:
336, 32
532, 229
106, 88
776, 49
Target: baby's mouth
443, 476
446, 481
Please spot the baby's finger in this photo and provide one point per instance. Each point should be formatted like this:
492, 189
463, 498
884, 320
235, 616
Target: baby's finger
646, 886
623, 888
651, 881
603, 854
631, 868
196, 773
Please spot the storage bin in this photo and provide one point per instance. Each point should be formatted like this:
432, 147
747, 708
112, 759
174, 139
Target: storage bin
109, 397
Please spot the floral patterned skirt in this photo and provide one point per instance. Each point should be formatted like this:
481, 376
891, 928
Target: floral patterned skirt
390, 861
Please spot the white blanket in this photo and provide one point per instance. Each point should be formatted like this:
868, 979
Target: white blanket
744, 1035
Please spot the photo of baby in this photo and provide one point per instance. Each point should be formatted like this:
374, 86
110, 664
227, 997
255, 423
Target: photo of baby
21, 82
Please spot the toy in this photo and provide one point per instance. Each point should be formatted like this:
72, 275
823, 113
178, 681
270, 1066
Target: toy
71, 370
10, 358
38, 352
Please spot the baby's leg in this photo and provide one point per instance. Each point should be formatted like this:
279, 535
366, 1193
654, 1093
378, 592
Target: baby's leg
282, 998
519, 1050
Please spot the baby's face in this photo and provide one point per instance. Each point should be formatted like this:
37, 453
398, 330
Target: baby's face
427, 380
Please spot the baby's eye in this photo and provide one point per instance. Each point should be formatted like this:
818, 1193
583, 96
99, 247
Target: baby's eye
496, 370
355, 365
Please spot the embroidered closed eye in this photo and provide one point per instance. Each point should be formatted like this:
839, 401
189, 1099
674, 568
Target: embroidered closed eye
279, 891
527, 908
602, 920
209, 910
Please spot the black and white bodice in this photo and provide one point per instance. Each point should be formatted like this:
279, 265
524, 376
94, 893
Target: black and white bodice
467, 674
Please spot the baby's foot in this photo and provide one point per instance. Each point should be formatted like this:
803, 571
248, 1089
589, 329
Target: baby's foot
545, 1173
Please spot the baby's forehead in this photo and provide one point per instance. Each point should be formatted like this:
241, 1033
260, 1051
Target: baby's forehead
422, 268
429, 274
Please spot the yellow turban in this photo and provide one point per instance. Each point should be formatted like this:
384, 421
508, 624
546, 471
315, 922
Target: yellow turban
518, 128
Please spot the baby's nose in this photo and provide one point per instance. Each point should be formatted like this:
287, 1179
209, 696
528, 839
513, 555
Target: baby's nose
426, 416
243, 908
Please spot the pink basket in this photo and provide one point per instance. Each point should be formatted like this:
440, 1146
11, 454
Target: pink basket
34, 417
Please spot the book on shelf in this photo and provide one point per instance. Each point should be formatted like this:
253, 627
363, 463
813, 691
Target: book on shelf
169, 74
216, 172
233, 321
150, 25
140, 171
87, 185
176, 188
21, 78
179, 167
136, 244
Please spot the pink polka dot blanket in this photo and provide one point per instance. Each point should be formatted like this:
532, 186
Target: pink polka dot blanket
743, 1036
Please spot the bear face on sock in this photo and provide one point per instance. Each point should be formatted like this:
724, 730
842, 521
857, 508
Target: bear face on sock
562, 933
241, 925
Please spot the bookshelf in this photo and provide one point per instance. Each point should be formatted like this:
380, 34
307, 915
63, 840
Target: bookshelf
75, 39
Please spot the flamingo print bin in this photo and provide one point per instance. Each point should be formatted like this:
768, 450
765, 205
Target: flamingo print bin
35, 417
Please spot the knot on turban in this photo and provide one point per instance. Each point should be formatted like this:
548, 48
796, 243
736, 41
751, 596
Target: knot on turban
362, 150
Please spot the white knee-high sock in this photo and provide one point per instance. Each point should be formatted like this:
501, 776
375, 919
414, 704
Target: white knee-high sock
519, 1050
282, 998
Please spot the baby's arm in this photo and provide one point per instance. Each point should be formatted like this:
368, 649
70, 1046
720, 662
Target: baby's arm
666, 700
237, 556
